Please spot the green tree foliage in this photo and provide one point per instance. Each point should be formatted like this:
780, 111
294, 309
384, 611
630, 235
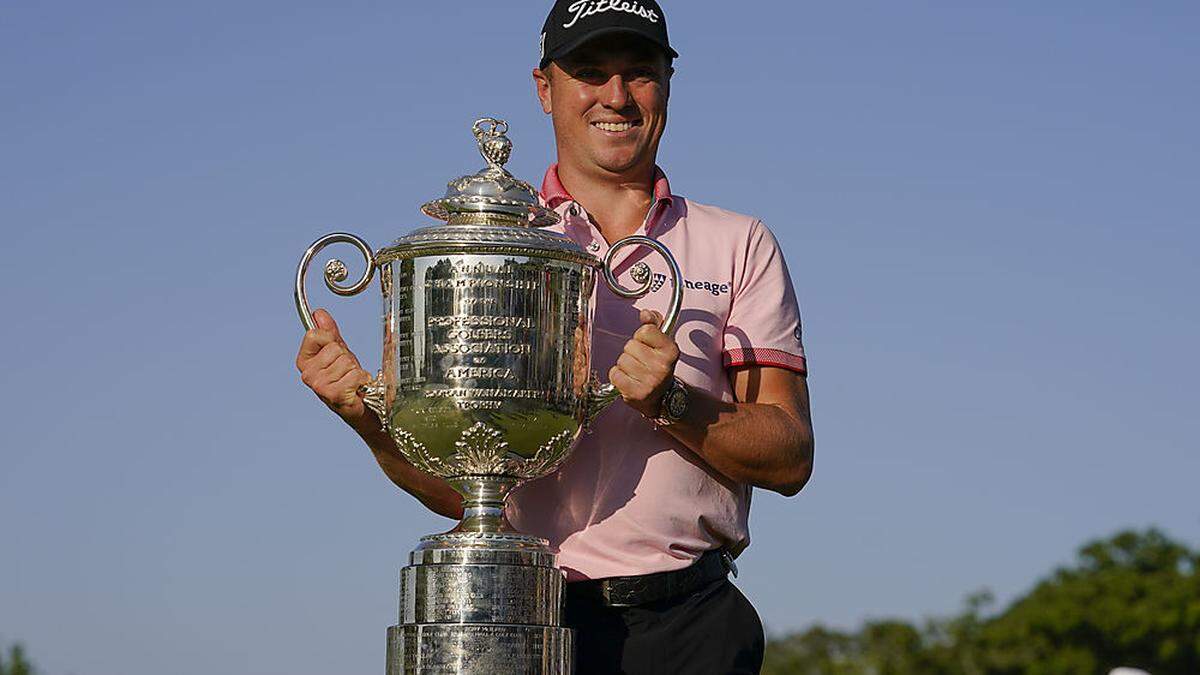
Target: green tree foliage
16, 663
1131, 600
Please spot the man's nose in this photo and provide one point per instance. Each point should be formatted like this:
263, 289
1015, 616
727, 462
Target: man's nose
615, 93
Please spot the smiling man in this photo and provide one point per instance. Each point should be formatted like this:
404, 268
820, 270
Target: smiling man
653, 505
651, 508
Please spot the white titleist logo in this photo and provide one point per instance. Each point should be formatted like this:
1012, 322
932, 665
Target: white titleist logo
586, 8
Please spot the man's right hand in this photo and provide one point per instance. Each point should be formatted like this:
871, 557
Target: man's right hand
332, 371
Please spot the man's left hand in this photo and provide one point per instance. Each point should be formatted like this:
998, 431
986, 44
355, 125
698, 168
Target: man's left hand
646, 367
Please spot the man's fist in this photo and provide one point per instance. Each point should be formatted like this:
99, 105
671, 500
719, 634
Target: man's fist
646, 367
331, 370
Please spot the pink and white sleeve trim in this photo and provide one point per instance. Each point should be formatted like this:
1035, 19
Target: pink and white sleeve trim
765, 357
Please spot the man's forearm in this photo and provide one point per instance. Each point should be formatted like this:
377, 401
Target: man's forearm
433, 492
761, 438
759, 444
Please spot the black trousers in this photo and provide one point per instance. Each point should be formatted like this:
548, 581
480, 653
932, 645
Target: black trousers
713, 630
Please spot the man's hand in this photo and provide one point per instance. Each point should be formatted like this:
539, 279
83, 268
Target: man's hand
332, 371
646, 367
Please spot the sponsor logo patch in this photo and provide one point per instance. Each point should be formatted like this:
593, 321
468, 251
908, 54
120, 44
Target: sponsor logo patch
706, 286
585, 8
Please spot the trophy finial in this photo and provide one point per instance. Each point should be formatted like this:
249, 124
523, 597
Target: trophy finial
491, 193
493, 144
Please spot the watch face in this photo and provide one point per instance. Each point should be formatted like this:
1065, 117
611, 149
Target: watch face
677, 402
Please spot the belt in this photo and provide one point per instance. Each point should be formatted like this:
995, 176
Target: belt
647, 588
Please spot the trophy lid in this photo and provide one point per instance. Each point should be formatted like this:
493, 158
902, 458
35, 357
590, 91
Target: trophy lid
492, 190
489, 212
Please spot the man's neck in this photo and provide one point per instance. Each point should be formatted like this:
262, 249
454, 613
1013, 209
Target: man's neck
617, 204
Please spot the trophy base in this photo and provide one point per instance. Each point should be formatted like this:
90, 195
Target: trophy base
479, 649
481, 602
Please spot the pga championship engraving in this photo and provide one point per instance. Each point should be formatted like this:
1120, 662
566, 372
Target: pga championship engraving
486, 382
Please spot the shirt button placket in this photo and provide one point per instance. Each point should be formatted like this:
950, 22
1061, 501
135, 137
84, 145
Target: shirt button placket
595, 247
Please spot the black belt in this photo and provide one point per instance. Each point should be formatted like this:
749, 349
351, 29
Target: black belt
647, 588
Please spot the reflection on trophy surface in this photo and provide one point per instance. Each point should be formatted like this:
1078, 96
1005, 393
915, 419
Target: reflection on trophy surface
486, 382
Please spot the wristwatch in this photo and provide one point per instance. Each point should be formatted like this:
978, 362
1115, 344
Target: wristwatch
674, 404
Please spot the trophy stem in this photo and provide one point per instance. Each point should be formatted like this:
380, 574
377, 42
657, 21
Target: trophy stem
483, 503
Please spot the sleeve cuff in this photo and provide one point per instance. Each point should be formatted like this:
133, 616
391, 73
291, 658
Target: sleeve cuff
765, 357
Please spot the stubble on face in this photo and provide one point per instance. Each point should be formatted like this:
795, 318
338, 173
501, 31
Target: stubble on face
608, 100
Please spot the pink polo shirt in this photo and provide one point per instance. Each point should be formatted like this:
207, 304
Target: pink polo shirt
631, 499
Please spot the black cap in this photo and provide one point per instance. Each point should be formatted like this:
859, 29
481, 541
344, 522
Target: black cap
573, 22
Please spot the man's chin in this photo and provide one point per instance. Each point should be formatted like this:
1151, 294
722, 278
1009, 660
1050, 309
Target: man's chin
618, 165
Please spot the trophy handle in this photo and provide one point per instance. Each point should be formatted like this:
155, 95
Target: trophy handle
600, 396
603, 395
335, 271
672, 316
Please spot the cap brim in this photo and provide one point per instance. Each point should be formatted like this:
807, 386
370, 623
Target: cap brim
568, 47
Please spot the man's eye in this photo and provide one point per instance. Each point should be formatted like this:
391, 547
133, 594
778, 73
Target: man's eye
644, 74
589, 74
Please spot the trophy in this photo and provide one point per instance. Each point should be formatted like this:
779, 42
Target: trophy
486, 383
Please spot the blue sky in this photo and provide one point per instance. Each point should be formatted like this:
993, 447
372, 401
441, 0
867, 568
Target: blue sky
989, 211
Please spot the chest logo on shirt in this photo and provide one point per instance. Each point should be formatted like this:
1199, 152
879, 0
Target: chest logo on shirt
707, 286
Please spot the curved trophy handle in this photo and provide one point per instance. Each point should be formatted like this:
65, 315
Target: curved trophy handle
603, 395
335, 271
672, 316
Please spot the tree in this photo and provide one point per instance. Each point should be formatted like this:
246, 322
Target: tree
817, 651
1130, 600
16, 663
883, 647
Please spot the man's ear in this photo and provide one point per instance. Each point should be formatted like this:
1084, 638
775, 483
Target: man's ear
541, 80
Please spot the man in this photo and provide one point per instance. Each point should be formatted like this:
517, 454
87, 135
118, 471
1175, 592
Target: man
653, 504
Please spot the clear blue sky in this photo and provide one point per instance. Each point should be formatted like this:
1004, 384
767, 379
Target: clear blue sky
989, 209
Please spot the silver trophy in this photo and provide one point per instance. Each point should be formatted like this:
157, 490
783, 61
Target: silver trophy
486, 383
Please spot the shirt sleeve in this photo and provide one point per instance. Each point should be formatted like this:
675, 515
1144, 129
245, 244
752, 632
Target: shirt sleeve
764, 321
